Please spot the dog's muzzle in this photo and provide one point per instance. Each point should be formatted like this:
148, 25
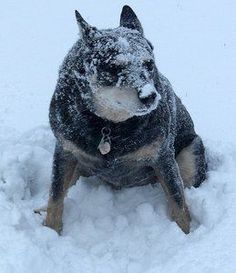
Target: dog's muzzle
119, 104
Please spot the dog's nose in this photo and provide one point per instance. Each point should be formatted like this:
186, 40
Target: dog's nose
148, 100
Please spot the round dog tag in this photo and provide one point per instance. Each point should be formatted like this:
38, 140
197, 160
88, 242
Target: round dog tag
104, 147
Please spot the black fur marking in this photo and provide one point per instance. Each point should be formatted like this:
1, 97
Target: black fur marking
199, 152
129, 19
61, 163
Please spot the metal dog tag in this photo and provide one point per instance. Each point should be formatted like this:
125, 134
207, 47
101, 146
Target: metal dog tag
105, 144
104, 147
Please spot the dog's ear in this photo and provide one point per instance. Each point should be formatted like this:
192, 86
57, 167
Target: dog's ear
129, 19
87, 32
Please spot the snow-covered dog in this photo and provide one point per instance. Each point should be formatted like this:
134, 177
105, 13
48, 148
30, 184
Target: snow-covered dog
116, 117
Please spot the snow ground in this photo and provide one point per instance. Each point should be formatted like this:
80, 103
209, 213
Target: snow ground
104, 230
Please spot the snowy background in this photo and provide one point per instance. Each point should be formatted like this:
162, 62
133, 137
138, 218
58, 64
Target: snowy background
125, 231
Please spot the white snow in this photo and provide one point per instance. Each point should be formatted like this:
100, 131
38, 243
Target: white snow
147, 90
123, 42
125, 231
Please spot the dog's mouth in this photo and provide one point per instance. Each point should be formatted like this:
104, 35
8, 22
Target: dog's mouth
119, 104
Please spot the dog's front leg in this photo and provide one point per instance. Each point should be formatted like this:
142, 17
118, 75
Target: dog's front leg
64, 174
167, 172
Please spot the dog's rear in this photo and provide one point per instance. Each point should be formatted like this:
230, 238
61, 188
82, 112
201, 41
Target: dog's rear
115, 116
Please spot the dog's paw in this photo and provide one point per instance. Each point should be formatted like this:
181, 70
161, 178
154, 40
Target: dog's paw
58, 227
182, 217
54, 218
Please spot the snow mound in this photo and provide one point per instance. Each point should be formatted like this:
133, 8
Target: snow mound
111, 231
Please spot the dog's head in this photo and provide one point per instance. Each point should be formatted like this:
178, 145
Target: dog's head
119, 68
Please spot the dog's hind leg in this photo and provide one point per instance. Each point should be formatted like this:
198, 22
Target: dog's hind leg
192, 163
64, 174
168, 175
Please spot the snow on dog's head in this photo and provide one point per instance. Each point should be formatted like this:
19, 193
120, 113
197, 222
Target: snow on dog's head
119, 68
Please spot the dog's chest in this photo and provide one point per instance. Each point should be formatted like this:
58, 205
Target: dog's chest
130, 169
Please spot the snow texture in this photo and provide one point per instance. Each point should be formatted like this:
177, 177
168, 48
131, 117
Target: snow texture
119, 55
104, 230
146, 90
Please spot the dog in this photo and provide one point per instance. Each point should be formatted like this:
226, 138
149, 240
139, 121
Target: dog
115, 116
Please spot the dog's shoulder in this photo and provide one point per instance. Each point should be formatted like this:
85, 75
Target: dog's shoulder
182, 125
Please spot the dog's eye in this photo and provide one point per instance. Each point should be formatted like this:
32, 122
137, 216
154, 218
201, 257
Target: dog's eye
116, 69
149, 65
112, 69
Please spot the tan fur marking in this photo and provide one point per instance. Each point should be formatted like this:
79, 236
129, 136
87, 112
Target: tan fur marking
179, 214
54, 214
149, 152
77, 152
187, 166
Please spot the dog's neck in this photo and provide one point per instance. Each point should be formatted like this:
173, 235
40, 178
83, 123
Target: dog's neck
124, 136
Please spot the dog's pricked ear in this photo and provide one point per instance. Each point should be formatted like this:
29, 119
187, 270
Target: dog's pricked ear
129, 19
86, 31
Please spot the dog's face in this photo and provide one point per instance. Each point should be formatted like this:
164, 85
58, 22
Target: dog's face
119, 68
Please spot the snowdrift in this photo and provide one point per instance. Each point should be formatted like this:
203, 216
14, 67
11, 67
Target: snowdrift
111, 231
